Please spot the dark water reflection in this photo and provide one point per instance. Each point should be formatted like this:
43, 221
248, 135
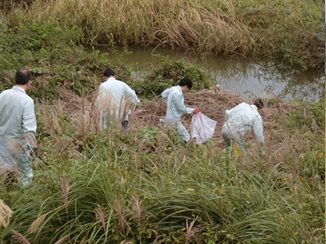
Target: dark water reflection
244, 77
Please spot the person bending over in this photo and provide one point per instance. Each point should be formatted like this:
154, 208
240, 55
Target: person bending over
240, 120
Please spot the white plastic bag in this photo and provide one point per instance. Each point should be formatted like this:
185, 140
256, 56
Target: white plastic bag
202, 128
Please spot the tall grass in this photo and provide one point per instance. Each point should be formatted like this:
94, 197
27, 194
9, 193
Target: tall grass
287, 30
142, 187
168, 23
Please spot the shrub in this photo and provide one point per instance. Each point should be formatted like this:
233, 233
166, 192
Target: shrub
54, 57
169, 74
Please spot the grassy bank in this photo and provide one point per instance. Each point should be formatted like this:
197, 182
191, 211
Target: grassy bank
145, 187
56, 61
289, 31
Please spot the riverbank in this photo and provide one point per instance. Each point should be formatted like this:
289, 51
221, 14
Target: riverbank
289, 31
144, 186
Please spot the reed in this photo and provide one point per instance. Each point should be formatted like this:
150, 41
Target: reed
249, 28
5, 214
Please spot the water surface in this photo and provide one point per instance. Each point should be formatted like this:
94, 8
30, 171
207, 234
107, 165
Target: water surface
246, 78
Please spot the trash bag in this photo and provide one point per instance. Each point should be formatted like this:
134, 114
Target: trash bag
202, 128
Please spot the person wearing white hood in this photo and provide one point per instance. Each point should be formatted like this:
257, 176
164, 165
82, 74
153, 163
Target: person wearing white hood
240, 120
176, 108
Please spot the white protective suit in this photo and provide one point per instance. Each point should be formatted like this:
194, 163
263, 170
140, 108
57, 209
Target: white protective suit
113, 100
18, 128
239, 121
175, 108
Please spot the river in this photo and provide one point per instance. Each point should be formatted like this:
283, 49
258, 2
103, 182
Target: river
244, 77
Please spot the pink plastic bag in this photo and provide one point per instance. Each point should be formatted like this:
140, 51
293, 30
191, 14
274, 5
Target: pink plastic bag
202, 128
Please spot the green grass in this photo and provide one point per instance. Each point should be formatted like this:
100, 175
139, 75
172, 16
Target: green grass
141, 187
144, 186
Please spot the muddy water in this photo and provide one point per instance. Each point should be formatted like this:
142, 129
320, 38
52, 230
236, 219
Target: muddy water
244, 77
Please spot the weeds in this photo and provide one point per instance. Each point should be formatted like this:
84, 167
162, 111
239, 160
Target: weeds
120, 192
291, 32
145, 186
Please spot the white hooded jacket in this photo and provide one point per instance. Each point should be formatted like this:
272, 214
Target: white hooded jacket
241, 119
175, 104
114, 96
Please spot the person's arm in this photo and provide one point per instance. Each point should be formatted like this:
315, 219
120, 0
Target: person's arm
132, 95
258, 129
165, 94
100, 96
226, 115
29, 120
29, 123
178, 102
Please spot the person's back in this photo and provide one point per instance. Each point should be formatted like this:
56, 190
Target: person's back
15, 108
18, 125
114, 99
240, 120
118, 93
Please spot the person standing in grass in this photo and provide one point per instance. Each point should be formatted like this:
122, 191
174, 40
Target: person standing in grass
176, 108
240, 120
113, 101
18, 125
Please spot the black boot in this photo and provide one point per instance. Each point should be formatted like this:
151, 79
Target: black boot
125, 125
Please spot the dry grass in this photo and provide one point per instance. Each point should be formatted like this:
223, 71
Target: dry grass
37, 223
176, 24
190, 231
5, 214
101, 216
64, 184
18, 238
211, 102
120, 215
63, 240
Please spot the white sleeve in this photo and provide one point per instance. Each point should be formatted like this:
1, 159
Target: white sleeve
165, 94
29, 120
99, 96
178, 101
132, 95
258, 129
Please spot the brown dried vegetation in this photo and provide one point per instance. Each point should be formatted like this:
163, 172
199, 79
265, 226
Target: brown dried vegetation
211, 102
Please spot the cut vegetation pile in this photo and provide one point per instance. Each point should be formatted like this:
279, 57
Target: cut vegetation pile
212, 102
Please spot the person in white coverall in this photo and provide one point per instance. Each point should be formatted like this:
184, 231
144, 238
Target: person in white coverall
176, 108
18, 125
113, 101
240, 120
